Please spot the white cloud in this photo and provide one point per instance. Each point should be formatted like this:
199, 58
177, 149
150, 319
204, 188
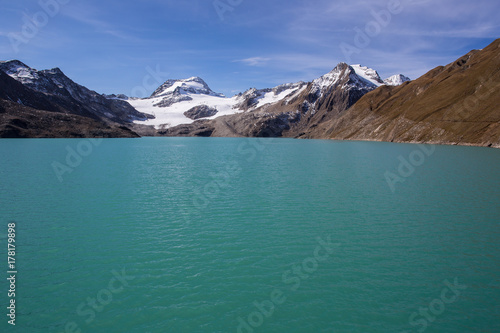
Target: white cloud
255, 61
88, 15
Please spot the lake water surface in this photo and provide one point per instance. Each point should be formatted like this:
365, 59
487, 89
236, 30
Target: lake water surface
250, 235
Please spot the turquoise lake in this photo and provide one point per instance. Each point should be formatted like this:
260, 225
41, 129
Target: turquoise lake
250, 235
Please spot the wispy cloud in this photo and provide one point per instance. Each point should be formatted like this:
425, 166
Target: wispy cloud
480, 30
289, 67
89, 16
329, 23
255, 61
85, 14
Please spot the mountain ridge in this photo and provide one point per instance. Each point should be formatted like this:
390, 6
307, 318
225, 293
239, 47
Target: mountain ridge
452, 104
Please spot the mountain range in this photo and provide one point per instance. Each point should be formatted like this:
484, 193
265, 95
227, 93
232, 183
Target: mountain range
181, 102
453, 104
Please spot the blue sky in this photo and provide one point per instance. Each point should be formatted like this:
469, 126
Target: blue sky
130, 46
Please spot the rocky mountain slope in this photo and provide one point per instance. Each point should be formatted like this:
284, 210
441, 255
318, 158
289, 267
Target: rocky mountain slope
20, 121
24, 90
455, 104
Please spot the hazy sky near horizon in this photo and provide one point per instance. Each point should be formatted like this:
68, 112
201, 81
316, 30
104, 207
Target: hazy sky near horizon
133, 46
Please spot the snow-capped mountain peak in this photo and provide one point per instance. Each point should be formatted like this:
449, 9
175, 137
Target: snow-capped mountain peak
357, 76
368, 74
49, 81
12, 65
347, 76
19, 71
193, 85
396, 80
254, 98
339, 73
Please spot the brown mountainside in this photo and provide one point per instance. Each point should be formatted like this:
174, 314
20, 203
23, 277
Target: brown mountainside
455, 104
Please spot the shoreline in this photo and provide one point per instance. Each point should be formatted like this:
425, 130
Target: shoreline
438, 143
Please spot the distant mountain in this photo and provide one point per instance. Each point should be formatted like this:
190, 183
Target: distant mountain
396, 80
254, 98
116, 96
281, 110
169, 103
455, 104
368, 74
193, 85
287, 110
178, 102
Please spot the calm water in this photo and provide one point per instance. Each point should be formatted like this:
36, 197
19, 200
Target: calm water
250, 235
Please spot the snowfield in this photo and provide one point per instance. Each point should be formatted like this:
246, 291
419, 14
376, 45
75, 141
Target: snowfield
174, 115
198, 93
